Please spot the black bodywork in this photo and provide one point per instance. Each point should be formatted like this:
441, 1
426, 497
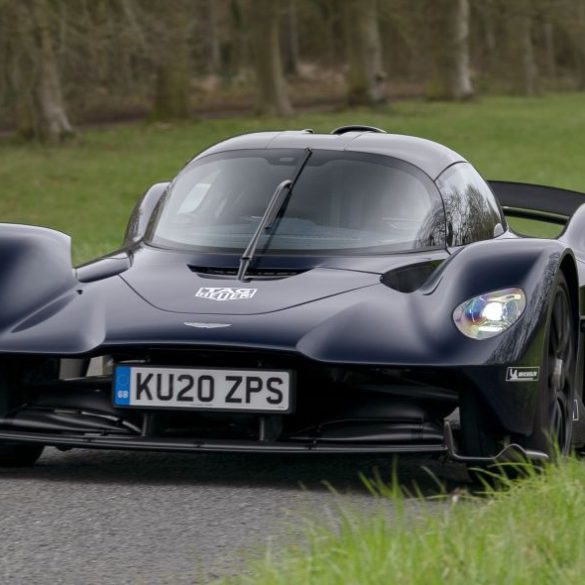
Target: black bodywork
378, 364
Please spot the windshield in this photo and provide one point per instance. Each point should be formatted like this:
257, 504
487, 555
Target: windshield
343, 202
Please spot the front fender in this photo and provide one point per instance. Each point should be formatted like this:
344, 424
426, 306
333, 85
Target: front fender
35, 270
382, 326
529, 264
532, 265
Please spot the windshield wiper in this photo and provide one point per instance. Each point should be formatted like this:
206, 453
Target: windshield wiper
277, 202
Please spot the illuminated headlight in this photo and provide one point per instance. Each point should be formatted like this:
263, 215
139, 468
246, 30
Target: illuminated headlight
487, 315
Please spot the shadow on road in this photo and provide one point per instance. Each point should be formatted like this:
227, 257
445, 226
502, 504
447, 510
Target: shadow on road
314, 472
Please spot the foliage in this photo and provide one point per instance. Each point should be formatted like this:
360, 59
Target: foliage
531, 532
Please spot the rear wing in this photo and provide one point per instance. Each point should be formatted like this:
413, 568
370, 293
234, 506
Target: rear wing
549, 204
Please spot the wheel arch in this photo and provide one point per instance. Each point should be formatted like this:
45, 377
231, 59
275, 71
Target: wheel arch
569, 269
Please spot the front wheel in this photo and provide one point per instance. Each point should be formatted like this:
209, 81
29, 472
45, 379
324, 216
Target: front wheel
553, 423
19, 455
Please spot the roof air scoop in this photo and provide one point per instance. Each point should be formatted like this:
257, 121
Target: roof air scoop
357, 128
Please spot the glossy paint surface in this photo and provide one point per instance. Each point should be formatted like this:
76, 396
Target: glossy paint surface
332, 310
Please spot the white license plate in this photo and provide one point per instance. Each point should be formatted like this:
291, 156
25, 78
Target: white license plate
206, 389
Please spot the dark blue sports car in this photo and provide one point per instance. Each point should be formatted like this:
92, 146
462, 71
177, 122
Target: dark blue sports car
298, 292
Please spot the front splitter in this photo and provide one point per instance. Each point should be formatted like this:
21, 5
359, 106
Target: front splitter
134, 443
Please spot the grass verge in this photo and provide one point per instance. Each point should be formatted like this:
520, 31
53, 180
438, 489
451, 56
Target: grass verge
88, 189
531, 533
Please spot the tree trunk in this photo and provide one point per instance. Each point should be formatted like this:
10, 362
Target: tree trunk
489, 37
450, 51
579, 42
570, 17
213, 38
171, 100
291, 40
520, 30
48, 119
173, 71
365, 78
332, 22
234, 50
461, 87
549, 49
271, 90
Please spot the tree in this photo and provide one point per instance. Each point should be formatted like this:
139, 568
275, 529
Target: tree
214, 50
51, 121
30, 72
365, 77
548, 32
485, 19
271, 91
291, 39
451, 78
570, 17
171, 23
520, 25
578, 38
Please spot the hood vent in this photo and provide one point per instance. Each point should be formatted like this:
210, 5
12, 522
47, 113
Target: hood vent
252, 274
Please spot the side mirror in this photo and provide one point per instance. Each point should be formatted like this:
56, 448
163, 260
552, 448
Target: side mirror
142, 213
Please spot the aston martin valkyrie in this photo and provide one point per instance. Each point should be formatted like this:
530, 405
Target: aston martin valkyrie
297, 292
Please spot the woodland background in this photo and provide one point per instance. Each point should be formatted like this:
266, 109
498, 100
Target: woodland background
65, 64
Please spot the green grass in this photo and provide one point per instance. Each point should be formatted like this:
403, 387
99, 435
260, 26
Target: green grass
532, 533
88, 190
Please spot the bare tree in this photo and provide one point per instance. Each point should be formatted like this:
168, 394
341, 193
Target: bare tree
291, 39
520, 25
365, 77
171, 22
461, 84
579, 42
450, 50
548, 31
485, 13
570, 17
101, 59
42, 112
214, 52
271, 91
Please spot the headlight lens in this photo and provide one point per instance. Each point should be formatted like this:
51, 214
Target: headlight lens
489, 314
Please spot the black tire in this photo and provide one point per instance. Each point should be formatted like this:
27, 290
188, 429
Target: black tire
13, 374
19, 455
553, 422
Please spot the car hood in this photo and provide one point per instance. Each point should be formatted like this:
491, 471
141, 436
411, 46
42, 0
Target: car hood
180, 289
207, 284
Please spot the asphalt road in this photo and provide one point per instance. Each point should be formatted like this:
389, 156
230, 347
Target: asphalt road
92, 517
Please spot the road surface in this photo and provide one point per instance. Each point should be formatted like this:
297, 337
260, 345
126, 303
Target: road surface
96, 517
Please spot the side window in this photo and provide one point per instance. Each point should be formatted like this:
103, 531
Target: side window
472, 211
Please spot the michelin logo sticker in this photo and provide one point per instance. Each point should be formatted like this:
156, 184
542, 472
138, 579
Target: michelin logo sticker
522, 374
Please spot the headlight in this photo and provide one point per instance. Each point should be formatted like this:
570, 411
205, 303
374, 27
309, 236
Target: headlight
489, 314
